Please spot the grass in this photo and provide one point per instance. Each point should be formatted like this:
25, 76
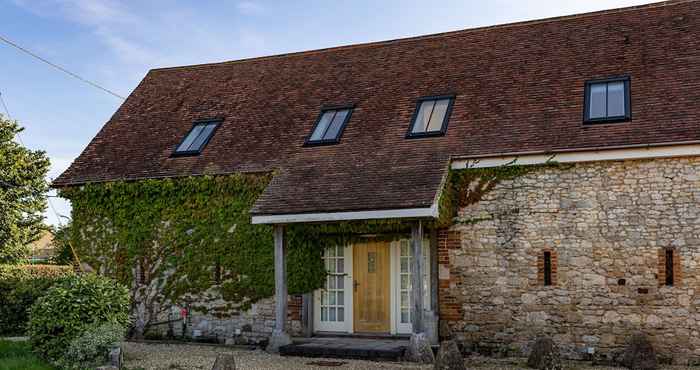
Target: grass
19, 356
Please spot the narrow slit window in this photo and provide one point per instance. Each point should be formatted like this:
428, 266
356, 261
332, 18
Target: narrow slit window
431, 116
329, 126
669, 267
197, 138
607, 100
547, 268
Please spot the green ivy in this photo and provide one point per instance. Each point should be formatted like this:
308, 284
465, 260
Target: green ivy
468, 186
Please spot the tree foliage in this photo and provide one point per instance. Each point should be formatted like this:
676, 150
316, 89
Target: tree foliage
22, 193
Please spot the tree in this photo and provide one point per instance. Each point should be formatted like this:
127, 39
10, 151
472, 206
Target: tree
23, 190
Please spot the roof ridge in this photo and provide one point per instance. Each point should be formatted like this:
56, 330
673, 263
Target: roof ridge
434, 35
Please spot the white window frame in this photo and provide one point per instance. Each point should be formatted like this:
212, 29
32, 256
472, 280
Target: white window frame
345, 326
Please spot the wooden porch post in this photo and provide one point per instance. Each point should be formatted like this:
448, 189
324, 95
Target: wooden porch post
417, 276
279, 335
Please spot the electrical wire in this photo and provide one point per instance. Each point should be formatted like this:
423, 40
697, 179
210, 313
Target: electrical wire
54, 65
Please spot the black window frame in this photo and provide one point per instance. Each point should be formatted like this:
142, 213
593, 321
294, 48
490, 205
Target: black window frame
626, 117
188, 153
445, 121
326, 108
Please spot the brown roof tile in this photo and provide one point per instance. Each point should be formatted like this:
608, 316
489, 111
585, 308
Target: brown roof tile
518, 87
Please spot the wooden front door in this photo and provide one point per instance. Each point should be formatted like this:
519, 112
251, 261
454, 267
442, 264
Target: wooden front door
371, 292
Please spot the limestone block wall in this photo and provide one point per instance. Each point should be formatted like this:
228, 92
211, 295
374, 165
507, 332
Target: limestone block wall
607, 227
252, 327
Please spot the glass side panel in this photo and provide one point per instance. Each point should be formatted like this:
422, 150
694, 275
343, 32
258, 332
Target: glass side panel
333, 293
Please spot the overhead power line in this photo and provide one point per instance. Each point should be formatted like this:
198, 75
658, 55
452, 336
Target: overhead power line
54, 65
7, 112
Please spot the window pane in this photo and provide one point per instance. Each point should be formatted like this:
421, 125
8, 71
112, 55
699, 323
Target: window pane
341, 265
438, 115
404, 248
322, 125
324, 298
616, 99
332, 299
404, 282
190, 138
341, 298
596, 101
341, 314
404, 265
404, 316
341, 282
203, 136
423, 116
331, 314
331, 282
404, 299
324, 314
332, 266
334, 128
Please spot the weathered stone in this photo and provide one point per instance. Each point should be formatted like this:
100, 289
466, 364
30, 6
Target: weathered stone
116, 357
224, 361
544, 355
278, 339
419, 349
639, 353
449, 357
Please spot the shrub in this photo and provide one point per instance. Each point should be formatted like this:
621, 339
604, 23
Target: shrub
70, 307
91, 348
20, 287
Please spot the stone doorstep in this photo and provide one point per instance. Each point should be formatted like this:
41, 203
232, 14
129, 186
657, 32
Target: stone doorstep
347, 348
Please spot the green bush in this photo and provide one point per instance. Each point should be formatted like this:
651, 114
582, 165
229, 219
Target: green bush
70, 307
20, 287
91, 349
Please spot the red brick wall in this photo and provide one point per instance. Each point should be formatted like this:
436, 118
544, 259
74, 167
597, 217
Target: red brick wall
294, 307
449, 308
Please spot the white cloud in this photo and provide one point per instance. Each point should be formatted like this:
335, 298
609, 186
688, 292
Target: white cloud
250, 7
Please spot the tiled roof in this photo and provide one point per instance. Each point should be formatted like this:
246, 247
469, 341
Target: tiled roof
518, 87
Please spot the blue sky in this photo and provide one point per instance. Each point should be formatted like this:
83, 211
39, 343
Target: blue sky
116, 42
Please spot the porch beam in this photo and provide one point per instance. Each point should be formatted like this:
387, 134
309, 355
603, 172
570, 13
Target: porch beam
417, 277
279, 335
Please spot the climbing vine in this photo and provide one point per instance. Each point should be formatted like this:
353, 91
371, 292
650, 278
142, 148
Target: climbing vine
468, 186
190, 242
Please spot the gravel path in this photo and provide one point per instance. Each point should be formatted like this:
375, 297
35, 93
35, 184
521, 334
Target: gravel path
142, 356
186, 357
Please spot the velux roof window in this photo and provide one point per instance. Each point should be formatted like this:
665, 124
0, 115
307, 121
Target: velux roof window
329, 126
197, 138
607, 100
431, 116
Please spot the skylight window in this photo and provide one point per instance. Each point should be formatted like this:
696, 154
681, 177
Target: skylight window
197, 138
431, 116
329, 126
607, 100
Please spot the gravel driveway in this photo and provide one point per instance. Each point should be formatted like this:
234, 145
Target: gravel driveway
186, 357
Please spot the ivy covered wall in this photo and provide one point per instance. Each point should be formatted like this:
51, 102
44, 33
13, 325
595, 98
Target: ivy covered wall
187, 241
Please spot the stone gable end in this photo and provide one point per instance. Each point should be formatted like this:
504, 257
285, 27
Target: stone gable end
607, 226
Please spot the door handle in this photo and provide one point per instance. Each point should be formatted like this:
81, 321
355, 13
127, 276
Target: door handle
354, 285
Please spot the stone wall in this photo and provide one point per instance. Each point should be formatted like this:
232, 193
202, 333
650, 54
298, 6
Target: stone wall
251, 327
608, 225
